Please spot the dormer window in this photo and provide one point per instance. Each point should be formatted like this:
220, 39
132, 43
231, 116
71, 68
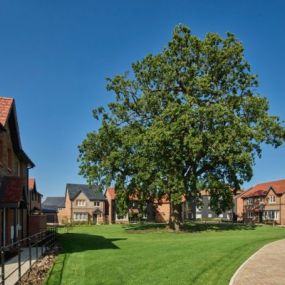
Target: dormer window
81, 203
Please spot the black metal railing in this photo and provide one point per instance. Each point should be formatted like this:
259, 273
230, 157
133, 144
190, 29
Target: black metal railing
35, 246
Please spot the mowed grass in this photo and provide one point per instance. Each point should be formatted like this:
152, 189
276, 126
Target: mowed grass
115, 254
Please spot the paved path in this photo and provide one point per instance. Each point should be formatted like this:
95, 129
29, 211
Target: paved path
265, 267
11, 265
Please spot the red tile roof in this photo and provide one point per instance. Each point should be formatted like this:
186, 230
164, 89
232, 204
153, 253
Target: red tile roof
112, 193
5, 108
262, 188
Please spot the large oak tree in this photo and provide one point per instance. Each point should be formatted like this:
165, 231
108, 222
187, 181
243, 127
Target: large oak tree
186, 119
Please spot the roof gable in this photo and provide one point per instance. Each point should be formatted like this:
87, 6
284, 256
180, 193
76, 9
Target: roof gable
262, 189
80, 192
8, 117
271, 189
91, 193
5, 109
32, 186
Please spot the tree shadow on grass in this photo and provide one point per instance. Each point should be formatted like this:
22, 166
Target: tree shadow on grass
75, 243
217, 227
78, 242
189, 227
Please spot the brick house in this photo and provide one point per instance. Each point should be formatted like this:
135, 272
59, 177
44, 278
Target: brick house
265, 203
111, 215
37, 219
133, 215
14, 175
204, 211
157, 210
35, 196
80, 204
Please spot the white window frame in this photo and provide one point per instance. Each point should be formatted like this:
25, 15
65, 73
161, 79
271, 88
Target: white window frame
250, 214
276, 215
198, 216
82, 217
80, 203
272, 199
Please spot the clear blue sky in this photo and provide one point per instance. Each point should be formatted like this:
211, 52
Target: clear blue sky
55, 56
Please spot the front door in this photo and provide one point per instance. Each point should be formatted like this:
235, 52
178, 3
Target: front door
95, 219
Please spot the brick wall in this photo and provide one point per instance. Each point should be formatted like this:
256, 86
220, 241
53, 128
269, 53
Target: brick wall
37, 223
282, 209
35, 200
239, 207
9, 223
110, 208
18, 168
162, 212
64, 214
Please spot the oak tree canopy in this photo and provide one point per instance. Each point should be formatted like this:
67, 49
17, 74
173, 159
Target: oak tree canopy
186, 119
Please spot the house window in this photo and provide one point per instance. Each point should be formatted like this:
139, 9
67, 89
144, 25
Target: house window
96, 203
210, 215
250, 215
272, 215
249, 201
80, 217
10, 162
276, 215
81, 203
272, 199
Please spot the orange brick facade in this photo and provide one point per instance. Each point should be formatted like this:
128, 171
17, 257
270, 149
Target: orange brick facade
161, 209
64, 214
162, 212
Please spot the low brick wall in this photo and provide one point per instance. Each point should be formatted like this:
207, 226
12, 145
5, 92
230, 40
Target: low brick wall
38, 223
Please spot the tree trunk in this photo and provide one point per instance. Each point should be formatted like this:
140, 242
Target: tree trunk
175, 221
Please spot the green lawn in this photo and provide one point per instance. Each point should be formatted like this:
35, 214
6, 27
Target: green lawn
115, 254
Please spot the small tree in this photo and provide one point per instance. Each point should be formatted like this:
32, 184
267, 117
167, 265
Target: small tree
187, 119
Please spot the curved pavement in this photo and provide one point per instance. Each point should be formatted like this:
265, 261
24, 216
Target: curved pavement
265, 267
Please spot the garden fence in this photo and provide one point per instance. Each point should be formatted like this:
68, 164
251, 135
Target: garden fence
24, 253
